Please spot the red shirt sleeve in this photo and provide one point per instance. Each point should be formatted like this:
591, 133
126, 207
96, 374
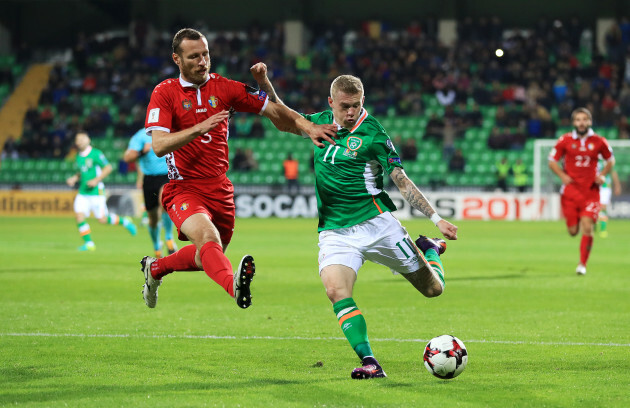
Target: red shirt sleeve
160, 110
606, 150
558, 151
244, 98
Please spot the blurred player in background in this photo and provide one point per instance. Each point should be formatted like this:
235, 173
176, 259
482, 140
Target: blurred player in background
188, 118
611, 185
152, 175
355, 220
580, 179
93, 167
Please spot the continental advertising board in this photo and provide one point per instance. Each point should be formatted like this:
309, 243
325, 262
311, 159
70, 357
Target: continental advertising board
455, 205
33, 203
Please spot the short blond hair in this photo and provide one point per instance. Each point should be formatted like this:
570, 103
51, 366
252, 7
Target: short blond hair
348, 84
581, 110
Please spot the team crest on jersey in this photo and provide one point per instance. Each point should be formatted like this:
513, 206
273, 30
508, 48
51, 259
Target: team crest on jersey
213, 101
187, 104
591, 146
350, 153
184, 207
354, 143
89, 163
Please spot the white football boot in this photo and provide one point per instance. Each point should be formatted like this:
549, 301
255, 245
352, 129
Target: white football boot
151, 285
580, 270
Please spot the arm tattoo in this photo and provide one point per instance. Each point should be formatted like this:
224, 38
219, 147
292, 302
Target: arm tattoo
268, 88
411, 193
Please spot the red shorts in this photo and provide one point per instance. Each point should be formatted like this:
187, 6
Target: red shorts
578, 203
214, 197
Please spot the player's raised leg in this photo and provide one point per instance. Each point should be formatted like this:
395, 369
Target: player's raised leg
429, 279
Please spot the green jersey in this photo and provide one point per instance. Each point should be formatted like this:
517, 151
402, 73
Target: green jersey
607, 178
349, 175
90, 164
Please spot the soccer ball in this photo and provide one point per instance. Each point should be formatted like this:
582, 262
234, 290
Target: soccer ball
445, 356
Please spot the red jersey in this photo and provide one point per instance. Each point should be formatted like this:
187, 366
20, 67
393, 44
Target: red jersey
581, 156
177, 105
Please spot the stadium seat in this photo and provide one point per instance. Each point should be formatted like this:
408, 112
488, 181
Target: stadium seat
307, 178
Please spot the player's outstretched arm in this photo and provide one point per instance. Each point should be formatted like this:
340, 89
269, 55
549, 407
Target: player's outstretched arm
285, 118
414, 196
164, 142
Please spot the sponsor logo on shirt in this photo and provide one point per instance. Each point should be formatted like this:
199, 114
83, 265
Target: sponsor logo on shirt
201, 110
394, 160
154, 115
213, 101
354, 143
187, 104
350, 153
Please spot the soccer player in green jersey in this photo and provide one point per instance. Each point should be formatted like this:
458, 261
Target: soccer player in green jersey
355, 220
93, 167
611, 185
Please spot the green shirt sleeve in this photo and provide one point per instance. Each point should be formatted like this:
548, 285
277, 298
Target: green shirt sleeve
101, 160
385, 152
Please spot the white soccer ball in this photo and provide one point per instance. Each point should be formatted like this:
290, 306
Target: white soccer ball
445, 356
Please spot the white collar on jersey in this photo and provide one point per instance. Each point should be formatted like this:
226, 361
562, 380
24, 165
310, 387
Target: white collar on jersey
576, 136
362, 116
86, 151
185, 83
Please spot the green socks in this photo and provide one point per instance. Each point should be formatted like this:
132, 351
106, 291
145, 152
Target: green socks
84, 231
353, 326
436, 263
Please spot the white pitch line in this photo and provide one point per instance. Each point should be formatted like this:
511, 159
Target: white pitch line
214, 337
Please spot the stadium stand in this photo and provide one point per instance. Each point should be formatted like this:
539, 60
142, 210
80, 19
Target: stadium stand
499, 108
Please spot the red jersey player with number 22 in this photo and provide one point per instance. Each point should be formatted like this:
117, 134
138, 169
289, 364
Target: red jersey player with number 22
188, 118
580, 180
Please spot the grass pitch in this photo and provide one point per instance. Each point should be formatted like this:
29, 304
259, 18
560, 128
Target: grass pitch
74, 330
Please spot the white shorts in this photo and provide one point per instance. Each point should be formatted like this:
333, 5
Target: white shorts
382, 240
95, 204
605, 193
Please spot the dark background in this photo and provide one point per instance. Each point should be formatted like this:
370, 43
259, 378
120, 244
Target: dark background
55, 23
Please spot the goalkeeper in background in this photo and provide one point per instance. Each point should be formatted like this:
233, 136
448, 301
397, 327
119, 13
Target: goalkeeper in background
93, 167
152, 176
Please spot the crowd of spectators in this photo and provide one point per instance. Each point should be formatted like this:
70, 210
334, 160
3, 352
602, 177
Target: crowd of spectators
545, 72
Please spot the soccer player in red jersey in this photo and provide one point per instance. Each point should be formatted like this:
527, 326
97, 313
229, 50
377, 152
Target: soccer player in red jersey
188, 118
580, 178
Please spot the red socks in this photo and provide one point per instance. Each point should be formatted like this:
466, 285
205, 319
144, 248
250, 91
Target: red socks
585, 248
217, 266
182, 260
